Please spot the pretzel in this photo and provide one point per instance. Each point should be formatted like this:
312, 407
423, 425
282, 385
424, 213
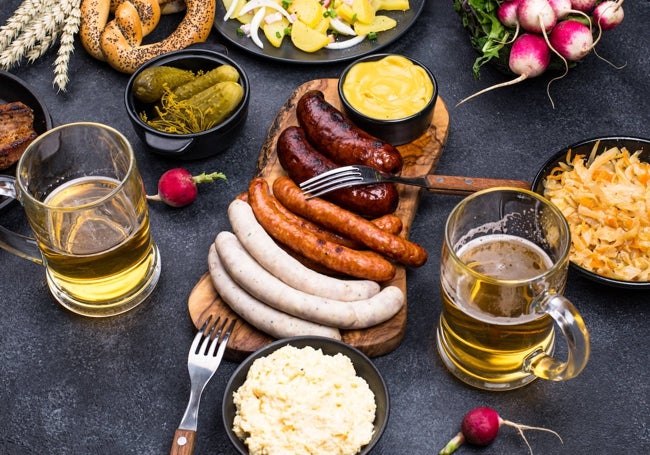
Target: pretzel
119, 41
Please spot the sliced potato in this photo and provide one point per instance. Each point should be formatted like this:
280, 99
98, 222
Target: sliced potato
379, 24
274, 31
363, 11
308, 11
323, 26
307, 39
391, 5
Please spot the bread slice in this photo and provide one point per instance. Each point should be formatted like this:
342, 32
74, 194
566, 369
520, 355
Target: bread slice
16, 132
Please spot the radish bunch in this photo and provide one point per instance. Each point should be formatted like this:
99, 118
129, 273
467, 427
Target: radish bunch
529, 37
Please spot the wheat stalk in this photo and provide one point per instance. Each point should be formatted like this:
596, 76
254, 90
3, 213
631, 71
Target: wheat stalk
35, 27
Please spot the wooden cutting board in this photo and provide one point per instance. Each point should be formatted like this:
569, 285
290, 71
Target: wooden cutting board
420, 157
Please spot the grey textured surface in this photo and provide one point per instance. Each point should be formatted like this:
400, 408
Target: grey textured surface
70, 385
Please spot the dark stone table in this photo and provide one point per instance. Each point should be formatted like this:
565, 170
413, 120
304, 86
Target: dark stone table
72, 385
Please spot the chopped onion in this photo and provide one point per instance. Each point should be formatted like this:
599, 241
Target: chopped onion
255, 27
341, 27
253, 4
347, 43
231, 10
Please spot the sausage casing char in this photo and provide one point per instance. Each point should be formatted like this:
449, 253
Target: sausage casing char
282, 265
302, 161
359, 264
348, 224
334, 135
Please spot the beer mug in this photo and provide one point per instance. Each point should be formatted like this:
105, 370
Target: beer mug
86, 205
504, 266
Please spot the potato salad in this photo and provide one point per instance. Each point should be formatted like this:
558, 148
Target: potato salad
312, 25
301, 401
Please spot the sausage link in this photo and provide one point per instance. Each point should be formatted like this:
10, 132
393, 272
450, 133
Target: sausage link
348, 224
258, 314
334, 135
302, 161
360, 264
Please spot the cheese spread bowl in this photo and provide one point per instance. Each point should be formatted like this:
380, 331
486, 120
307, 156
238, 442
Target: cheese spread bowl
389, 96
611, 205
363, 367
189, 145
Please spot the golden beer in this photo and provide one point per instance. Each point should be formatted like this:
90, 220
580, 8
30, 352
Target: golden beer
487, 331
503, 269
97, 255
86, 205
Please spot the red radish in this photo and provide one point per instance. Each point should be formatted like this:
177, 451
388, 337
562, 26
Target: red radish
584, 5
507, 13
178, 188
561, 7
529, 57
536, 16
609, 14
480, 427
571, 39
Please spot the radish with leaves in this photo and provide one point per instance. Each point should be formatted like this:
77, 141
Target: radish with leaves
178, 187
529, 57
480, 427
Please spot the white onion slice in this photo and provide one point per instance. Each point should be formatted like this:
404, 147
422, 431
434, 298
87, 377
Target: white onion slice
347, 43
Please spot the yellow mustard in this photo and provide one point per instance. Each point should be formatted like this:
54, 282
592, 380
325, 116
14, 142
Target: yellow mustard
388, 89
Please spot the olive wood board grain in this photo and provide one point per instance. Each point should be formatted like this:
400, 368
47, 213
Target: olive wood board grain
420, 157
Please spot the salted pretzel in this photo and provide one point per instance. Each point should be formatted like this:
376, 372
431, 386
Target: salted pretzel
119, 41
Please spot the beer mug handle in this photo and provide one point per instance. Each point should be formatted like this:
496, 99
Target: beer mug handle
25, 247
577, 340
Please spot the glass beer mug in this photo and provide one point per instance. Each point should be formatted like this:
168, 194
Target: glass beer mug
86, 205
504, 266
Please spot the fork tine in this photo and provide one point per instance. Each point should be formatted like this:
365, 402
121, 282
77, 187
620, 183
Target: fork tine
226, 337
329, 175
215, 339
345, 183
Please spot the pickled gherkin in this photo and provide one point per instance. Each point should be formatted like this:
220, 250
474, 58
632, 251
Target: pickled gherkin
221, 73
150, 85
199, 113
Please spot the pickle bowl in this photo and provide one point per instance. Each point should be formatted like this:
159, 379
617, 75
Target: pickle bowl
194, 145
389, 96
363, 367
585, 148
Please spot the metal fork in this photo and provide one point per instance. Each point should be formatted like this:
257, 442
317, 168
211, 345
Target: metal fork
346, 176
202, 362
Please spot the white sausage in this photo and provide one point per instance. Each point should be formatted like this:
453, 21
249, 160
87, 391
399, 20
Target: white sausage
261, 284
258, 314
282, 265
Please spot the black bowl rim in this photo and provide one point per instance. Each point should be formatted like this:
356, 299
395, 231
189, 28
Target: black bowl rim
35, 101
315, 342
189, 53
389, 122
560, 156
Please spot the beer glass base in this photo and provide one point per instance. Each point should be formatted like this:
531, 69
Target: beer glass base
473, 380
113, 307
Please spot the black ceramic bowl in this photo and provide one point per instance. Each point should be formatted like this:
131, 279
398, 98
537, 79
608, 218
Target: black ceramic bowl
14, 89
394, 131
194, 145
362, 364
584, 148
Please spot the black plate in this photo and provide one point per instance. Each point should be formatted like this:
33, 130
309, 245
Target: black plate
584, 148
289, 53
14, 89
362, 365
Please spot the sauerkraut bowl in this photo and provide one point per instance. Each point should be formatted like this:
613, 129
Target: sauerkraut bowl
602, 186
306, 391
